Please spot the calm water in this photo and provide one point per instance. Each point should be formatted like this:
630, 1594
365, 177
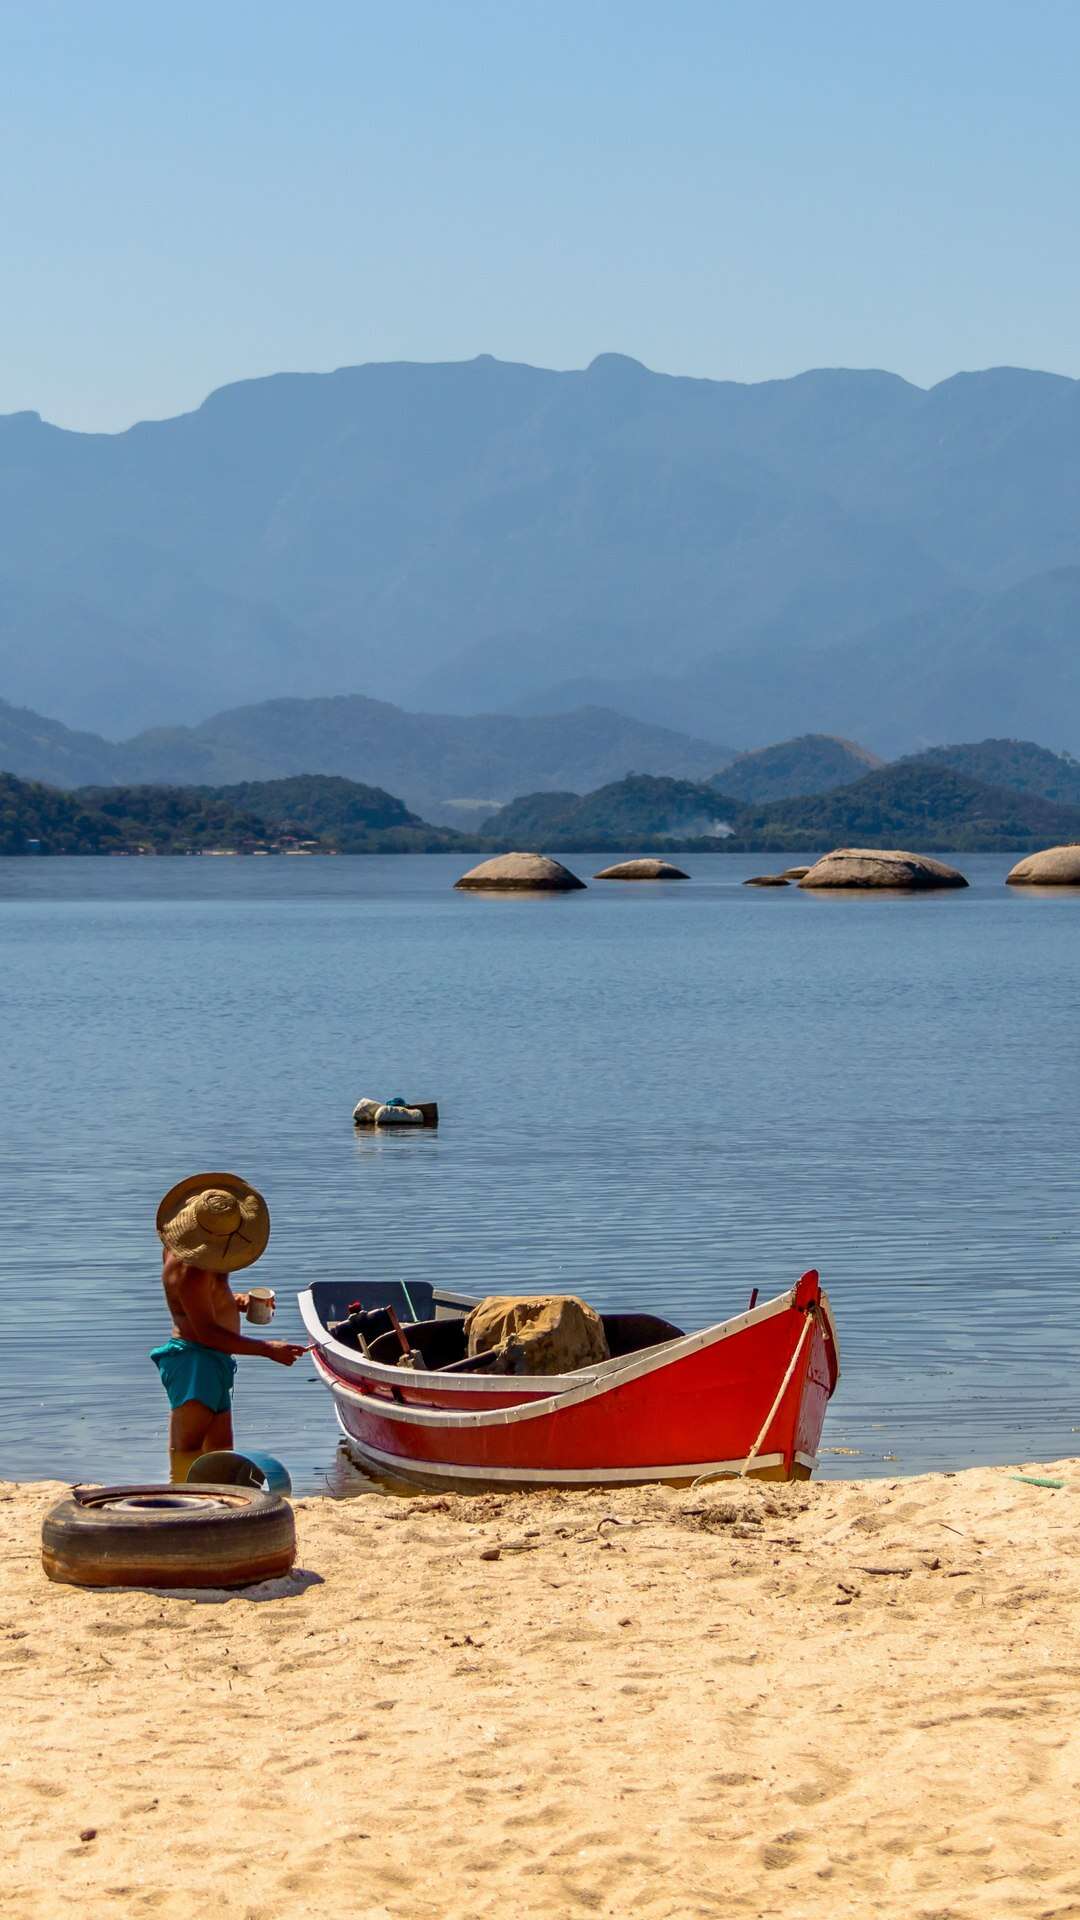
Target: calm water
651, 1095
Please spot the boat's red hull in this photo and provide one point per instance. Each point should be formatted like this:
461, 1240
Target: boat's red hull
748, 1395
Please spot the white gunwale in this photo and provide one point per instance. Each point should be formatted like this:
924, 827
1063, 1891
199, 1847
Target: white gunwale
565, 1389
571, 1394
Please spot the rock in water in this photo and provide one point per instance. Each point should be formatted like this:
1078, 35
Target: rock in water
642, 870
766, 880
881, 867
520, 873
1053, 867
794, 873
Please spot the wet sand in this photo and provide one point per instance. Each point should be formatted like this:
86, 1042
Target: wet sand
854, 1698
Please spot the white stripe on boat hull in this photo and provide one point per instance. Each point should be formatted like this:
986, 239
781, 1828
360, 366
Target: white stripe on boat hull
403, 1467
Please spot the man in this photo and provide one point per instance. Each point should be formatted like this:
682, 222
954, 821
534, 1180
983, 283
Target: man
210, 1225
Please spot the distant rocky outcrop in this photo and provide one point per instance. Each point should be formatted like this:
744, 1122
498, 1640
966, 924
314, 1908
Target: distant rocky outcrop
520, 873
642, 870
766, 880
1052, 867
882, 868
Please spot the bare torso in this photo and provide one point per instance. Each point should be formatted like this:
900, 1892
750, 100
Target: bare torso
176, 1278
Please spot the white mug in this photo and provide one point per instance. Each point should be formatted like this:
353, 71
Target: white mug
260, 1306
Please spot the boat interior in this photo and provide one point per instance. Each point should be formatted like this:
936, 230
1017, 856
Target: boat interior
432, 1325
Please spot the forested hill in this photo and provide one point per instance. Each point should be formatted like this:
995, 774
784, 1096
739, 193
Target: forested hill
909, 805
39, 819
312, 804
312, 812
1021, 764
916, 806
812, 763
625, 810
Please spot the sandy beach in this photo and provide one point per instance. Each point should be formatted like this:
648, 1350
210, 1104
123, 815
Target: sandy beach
828, 1699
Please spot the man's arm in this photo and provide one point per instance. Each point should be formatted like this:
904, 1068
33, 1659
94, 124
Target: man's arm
198, 1301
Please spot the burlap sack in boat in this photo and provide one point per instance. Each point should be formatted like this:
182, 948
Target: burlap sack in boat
546, 1333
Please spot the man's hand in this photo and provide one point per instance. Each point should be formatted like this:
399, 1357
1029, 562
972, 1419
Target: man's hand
242, 1300
283, 1351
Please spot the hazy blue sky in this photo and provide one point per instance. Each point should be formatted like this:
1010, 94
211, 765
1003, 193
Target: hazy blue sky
196, 192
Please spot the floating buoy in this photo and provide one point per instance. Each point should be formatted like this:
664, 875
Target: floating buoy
395, 1113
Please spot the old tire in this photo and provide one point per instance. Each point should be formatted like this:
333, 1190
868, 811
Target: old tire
205, 1536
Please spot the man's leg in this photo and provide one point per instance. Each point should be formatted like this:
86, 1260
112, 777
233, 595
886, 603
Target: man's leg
189, 1428
219, 1434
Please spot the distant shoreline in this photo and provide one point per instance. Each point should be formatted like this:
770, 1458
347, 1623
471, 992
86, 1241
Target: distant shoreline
660, 847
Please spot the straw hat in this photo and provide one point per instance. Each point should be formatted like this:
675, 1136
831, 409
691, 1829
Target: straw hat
215, 1221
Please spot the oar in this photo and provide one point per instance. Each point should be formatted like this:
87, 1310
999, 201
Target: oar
399, 1330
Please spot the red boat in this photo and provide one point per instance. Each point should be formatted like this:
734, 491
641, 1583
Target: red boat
747, 1396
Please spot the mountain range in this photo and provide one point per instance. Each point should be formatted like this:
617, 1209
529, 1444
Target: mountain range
965, 663
920, 803
840, 552
449, 767
477, 773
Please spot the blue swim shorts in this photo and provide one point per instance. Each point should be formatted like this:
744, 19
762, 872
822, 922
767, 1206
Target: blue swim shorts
191, 1372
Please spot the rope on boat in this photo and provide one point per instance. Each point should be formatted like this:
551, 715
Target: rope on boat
769, 1417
